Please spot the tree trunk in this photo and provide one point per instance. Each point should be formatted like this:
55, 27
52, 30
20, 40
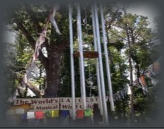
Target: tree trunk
138, 70
53, 71
131, 71
131, 87
131, 76
52, 63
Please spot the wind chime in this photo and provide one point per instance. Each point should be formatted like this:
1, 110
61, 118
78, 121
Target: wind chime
81, 54
97, 53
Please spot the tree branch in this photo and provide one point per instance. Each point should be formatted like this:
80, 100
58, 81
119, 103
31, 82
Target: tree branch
34, 20
31, 40
26, 34
35, 90
108, 24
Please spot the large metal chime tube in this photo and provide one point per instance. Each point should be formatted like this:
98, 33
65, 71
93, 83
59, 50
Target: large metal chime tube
97, 63
107, 59
105, 112
72, 62
80, 41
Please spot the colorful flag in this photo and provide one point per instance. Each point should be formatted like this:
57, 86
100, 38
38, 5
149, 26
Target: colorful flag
154, 81
65, 113
88, 113
19, 111
80, 114
39, 115
48, 114
55, 113
24, 116
30, 115
143, 83
156, 67
38, 44
148, 74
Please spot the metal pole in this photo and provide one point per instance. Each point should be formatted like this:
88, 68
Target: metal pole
72, 62
97, 63
107, 59
101, 67
80, 41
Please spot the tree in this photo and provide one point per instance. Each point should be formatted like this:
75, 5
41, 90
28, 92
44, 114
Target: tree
133, 31
29, 23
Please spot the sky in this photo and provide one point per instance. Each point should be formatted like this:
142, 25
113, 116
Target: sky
146, 10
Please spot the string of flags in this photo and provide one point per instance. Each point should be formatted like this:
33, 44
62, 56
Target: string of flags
152, 72
38, 44
143, 83
80, 114
121, 94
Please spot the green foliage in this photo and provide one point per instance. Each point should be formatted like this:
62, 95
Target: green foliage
133, 31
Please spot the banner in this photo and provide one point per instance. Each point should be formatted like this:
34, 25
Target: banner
63, 103
40, 103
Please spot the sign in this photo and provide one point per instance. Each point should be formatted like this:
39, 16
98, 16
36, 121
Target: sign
66, 103
40, 103
62, 103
